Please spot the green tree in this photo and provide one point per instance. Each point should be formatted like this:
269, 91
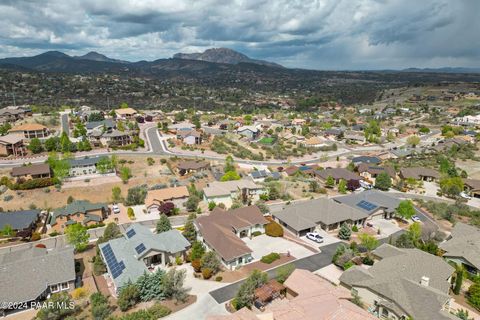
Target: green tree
8, 230
283, 272
473, 295
330, 182
112, 231
100, 308
415, 232
246, 293
383, 181
65, 144
413, 140
197, 251
136, 195
342, 186
128, 297
451, 186
163, 224
35, 146
150, 286
125, 174
210, 261
368, 241
117, 194
211, 205
52, 144
79, 130
344, 233
192, 203
173, 285
463, 315
189, 231
230, 176
229, 164
104, 165
458, 280
58, 307
405, 209
77, 236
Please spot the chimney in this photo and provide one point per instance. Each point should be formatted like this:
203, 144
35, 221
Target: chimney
425, 281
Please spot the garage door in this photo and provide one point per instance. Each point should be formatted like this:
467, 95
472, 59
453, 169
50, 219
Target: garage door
377, 216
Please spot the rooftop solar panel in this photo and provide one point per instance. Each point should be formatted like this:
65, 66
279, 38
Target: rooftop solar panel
366, 205
116, 268
131, 233
140, 248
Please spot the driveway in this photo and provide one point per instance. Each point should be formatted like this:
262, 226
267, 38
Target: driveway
327, 239
263, 245
387, 227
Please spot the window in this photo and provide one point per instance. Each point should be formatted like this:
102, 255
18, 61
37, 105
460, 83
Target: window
54, 288
64, 286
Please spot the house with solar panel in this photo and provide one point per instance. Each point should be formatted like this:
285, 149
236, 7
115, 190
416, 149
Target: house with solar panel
139, 251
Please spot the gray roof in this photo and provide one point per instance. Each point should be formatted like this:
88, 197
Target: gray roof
308, 214
464, 243
123, 248
397, 279
366, 159
18, 220
94, 124
224, 188
84, 161
28, 273
337, 174
77, 206
378, 199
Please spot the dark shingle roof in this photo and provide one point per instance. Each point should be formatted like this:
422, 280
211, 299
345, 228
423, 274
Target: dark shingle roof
18, 220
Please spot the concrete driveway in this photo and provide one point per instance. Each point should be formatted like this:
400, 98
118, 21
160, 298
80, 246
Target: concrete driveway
327, 239
263, 245
387, 227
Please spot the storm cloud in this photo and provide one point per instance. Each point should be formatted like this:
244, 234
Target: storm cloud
323, 34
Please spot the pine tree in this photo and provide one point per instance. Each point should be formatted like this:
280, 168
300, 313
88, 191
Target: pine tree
189, 232
344, 233
163, 224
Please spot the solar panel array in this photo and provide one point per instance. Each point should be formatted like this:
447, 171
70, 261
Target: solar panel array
116, 268
131, 233
140, 248
366, 205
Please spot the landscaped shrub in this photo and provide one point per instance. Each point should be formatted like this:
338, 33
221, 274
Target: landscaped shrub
79, 293
34, 183
256, 233
269, 258
53, 234
35, 236
130, 214
206, 273
218, 278
196, 265
7, 198
367, 260
347, 265
355, 228
273, 229
159, 311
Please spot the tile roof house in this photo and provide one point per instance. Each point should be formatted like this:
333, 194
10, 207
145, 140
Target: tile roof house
222, 231
226, 191
463, 247
140, 251
419, 173
12, 144
34, 171
79, 211
23, 221
308, 297
31, 130
155, 198
31, 275
404, 283
327, 214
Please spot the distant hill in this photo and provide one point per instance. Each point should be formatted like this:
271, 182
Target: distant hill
95, 56
223, 55
444, 70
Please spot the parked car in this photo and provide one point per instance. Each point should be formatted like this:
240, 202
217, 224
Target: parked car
415, 219
464, 195
315, 237
115, 209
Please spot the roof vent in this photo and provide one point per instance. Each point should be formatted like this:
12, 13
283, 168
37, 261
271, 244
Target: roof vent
425, 281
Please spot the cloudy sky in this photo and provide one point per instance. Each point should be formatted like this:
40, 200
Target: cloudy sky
323, 34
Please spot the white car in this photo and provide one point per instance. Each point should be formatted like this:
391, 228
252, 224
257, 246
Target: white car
415, 219
315, 237
465, 196
115, 209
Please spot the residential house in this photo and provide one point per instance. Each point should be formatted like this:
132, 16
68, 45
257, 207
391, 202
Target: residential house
370, 172
472, 187
308, 297
251, 132
189, 137
463, 247
12, 145
140, 251
327, 214
32, 274
334, 133
245, 190
337, 174
261, 175
106, 125
116, 138
8, 115
33, 171
315, 142
189, 166
84, 166
419, 173
406, 153
354, 136
304, 169
31, 130
155, 198
404, 283
221, 231
79, 211
22, 222
298, 122
377, 204
126, 113
181, 126
366, 159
